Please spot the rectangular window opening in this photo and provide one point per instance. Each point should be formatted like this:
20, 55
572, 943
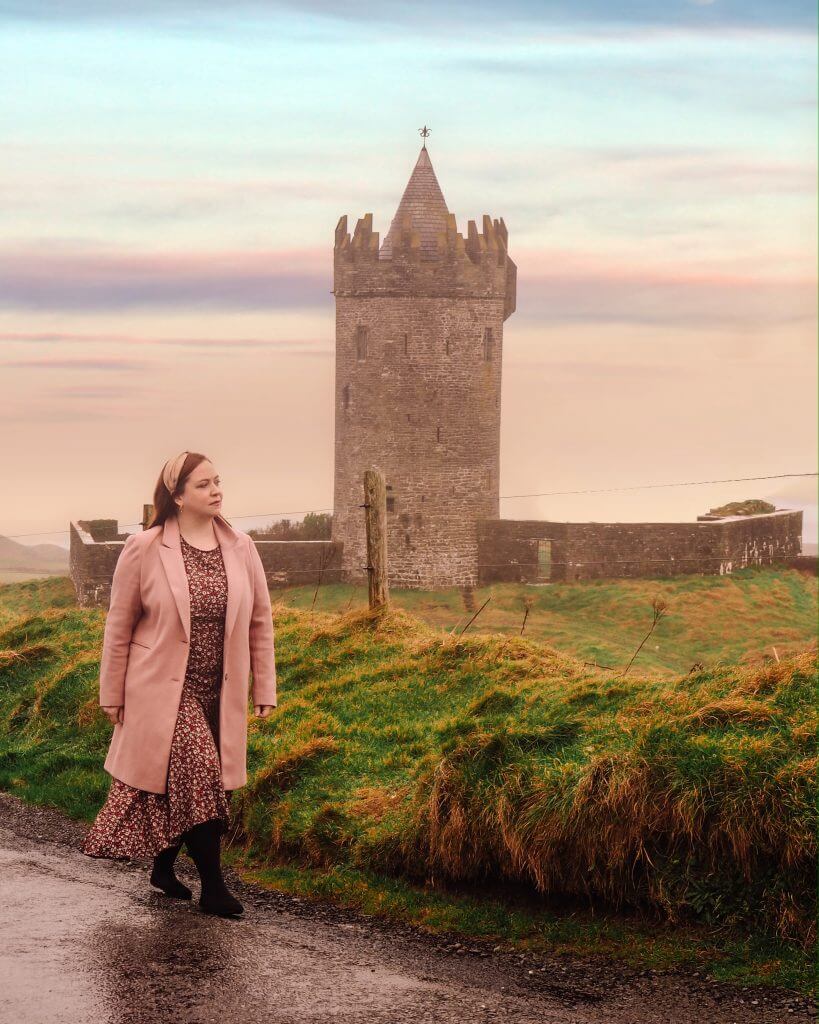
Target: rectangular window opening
487, 343
361, 342
544, 559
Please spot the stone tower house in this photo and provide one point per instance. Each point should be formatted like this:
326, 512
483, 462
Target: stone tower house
419, 345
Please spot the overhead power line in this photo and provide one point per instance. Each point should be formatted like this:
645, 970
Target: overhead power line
640, 487
503, 497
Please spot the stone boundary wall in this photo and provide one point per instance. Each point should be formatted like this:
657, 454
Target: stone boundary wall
508, 548
293, 563
804, 563
95, 546
508, 551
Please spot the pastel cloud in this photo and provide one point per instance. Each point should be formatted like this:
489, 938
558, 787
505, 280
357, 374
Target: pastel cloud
554, 286
302, 346
632, 12
649, 299
85, 392
173, 170
38, 280
50, 365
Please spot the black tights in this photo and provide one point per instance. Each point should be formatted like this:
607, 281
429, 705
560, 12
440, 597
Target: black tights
203, 843
162, 874
165, 859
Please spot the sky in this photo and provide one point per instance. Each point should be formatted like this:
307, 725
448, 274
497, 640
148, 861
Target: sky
173, 173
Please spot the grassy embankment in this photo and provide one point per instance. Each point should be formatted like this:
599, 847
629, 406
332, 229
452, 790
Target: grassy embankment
711, 619
406, 771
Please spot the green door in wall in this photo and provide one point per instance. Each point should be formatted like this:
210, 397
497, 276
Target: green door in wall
544, 559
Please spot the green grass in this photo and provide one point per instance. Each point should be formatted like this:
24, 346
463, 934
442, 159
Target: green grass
710, 619
665, 819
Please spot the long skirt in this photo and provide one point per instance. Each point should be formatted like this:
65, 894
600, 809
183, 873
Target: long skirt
134, 823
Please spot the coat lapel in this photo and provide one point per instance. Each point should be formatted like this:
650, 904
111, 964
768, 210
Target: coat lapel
234, 569
170, 551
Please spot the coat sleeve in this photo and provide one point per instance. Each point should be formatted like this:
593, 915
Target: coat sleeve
124, 609
262, 653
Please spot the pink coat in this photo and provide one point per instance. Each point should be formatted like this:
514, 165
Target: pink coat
145, 652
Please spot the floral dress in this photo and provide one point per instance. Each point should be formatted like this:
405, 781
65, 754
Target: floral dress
134, 823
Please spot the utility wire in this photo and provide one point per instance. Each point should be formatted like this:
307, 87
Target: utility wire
502, 497
639, 487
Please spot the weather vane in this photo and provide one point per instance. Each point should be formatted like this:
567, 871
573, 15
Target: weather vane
423, 132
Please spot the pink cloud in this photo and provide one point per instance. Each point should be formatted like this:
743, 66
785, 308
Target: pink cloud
48, 277
555, 286
308, 345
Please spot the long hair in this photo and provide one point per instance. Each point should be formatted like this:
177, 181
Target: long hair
164, 505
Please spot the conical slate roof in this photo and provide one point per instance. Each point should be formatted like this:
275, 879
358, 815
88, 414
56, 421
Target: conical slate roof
424, 201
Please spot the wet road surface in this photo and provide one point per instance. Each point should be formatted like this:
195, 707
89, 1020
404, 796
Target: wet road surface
88, 941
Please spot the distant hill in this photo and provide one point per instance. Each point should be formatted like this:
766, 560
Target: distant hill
33, 557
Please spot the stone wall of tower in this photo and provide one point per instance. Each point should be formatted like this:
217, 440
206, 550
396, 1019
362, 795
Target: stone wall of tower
418, 395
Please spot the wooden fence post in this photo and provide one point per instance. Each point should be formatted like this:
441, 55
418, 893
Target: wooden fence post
375, 508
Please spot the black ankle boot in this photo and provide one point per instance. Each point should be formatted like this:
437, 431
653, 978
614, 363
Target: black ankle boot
204, 845
163, 877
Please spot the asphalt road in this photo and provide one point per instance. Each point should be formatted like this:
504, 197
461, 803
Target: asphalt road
88, 941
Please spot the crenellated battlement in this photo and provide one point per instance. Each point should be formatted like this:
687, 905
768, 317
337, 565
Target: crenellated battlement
477, 266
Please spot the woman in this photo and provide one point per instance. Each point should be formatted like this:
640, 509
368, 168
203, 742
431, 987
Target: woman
189, 619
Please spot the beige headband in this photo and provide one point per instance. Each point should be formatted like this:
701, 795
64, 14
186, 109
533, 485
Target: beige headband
172, 469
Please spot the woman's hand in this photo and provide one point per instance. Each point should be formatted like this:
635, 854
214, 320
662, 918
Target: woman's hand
263, 710
114, 713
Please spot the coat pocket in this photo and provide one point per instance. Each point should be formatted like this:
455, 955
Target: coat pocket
140, 644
